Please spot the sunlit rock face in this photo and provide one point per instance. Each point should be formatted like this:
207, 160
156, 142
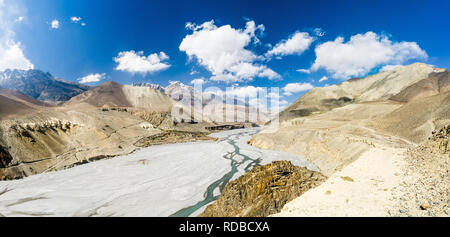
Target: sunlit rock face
263, 191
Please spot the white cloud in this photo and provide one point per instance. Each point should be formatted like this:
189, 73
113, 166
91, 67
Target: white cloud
292, 88
319, 32
19, 19
11, 51
12, 57
324, 78
198, 81
92, 78
296, 44
55, 24
75, 19
222, 51
307, 71
362, 53
137, 62
242, 91
283, 102
273, 95
388, 67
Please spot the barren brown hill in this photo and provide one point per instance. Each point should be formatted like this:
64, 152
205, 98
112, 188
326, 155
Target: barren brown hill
416, 120
108, 94
16, 104
36, 137
333, 126
436, 83
112, 94
17, 96
10, 107
362, 130
377, 87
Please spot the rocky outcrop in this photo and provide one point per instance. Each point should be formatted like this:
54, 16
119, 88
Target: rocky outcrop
170, 136
5, 157
263, 191
441, 139
44, 126
157, 119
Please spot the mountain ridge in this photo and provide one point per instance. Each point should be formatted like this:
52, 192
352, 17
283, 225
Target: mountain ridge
361, 113
40, 85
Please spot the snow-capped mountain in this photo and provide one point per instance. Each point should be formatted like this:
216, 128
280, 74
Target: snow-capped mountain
40, 85
178, 91
211, 102
151, 85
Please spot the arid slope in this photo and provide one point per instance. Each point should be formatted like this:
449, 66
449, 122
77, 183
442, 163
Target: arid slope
358, 134
333, 126
105, 121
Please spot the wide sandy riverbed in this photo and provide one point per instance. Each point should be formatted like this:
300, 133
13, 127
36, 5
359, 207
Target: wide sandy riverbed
165, 180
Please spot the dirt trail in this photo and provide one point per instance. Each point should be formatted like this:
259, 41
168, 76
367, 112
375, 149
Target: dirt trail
364, 188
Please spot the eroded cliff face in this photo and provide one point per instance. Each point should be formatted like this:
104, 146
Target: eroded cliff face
57, 139
263, 191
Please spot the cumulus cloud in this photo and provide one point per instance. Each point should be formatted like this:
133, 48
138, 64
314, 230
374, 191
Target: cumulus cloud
136, 62
319, 32
292, 88
388, 67
296, 44
222, 51
11, 51
362, 53
283, 102
198, 81
245, 91
242, 92
54, 24
324, 78
307, 71
75, 19
92, 78
257, 96
12, 57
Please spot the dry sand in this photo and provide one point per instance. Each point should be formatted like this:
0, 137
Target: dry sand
363, 188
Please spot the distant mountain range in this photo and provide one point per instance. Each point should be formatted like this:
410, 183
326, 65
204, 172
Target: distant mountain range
40, 85
151, 85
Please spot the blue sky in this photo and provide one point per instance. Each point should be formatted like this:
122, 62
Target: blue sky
384, 33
